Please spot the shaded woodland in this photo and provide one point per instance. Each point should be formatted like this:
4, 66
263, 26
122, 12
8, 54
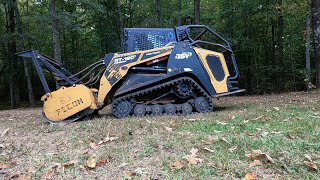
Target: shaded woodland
276, 42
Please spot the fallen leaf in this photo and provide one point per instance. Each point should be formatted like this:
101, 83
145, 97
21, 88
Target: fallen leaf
207, 149
70, 163
311, 165
92, 162
276, 108
192, 158
24, 177
4, 132
108, 139
250, 176
3, 166
85, 151
93, 145
130, 175
102, 163
222, 123
259, 155
257, 118
140, 171
176, 166
264, 134
224, 140
286, 120
308, 157
169, 129
48, 175
194, 151
256, 163
233, 148
291, 136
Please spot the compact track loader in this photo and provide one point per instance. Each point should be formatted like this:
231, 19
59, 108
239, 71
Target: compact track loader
161, 71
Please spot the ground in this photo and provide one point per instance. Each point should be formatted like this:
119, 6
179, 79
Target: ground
281, 132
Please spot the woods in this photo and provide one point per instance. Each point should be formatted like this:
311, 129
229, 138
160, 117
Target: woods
277, 42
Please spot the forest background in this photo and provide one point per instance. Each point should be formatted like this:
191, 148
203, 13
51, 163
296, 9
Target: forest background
276, 41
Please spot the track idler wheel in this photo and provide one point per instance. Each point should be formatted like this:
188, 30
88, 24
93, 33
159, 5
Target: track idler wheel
202, 105
122, 109
170, 109
186, 108
156, 109
139, 110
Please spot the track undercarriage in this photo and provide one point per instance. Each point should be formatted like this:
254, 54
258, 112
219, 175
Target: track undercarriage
181, 96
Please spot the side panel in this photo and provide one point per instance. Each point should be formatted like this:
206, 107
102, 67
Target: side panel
121, 63
184, 59
216, 67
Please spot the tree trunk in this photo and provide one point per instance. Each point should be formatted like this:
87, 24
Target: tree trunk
196, 11
160, 19
308, 47
21, 46
315, 8
179, 12
121, 26
12, 50
280, 48
55, 32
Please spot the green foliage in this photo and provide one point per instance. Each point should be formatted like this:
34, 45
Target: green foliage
90, 28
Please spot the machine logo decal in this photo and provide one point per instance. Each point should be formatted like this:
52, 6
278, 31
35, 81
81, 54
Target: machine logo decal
153, 53
69, 106
187, 70
184, 55
124, 59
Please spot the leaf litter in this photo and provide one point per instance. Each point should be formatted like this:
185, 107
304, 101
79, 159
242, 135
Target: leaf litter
259, 155
193, 157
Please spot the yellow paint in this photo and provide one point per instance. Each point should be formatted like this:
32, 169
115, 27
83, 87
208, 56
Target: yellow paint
219, 86
105, 86
104, 89
67, 101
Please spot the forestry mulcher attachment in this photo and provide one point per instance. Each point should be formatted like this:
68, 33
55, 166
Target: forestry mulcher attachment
161, 71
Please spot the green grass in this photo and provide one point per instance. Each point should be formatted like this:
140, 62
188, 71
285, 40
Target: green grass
237, 126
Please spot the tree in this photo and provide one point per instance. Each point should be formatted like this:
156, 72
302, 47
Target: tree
315, 8
159, 14
196, 11
121, 25
21, 46
179, 12
55, 32
280, 46
308, 48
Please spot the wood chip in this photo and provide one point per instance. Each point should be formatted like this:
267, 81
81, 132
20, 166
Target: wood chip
4, 132
207, 149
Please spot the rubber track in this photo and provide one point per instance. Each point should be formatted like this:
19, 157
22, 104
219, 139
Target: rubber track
160, 86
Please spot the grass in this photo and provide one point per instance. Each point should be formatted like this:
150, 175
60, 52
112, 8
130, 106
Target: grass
286, 127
